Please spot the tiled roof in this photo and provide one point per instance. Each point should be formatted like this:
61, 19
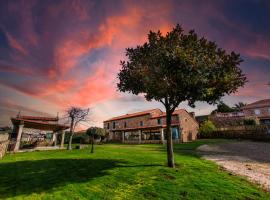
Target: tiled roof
39, 118
258, 104
42, 125
142, 113
146, 112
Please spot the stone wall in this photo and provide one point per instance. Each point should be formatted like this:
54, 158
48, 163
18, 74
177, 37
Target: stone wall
189, 126
3, 144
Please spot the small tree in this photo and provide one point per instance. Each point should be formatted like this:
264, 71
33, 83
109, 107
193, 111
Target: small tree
93, 132
206, 128
239, 106
179, 67
223, 108
76, 115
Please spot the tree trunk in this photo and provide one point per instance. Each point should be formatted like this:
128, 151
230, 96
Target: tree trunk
92, 148
69, 147
170, 157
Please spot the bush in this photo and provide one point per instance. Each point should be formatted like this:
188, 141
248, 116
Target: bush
249, 122
206, 128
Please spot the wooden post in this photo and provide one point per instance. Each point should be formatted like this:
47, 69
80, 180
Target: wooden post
62, 139
140, 136
54, 139
19, 136
123, 136
162, 135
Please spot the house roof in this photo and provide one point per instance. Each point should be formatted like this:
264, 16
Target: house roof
39, 118
258, 104
137, 114
154, 114
38, 124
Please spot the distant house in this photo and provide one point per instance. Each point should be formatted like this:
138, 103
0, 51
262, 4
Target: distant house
259, 109
149, 127
201, 118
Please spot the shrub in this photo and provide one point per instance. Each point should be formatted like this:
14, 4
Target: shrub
249, 122
206, 128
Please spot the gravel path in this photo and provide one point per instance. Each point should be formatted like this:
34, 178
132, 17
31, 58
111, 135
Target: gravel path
250, 159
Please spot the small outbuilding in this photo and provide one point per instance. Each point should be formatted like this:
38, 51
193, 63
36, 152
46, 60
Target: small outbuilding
36, 127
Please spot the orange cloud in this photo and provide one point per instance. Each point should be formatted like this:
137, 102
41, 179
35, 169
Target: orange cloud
117, 32
95, 89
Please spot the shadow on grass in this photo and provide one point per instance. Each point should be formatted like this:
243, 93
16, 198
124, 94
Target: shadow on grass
36, 176
26, 177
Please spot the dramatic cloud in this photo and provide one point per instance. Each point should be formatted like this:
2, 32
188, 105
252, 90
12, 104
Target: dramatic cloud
68, 52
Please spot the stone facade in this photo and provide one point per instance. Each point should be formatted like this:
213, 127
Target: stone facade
149, 127
4, 141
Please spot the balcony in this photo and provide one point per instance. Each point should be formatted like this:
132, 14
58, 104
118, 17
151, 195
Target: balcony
231, 114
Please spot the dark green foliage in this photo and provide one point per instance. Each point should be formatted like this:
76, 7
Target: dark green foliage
249, 122
239, 106
223, 108
179, 67
206, 128
94, 132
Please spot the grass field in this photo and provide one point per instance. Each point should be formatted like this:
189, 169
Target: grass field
118, 171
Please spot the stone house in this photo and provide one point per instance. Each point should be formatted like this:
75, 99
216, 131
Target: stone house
259, 109
149, 127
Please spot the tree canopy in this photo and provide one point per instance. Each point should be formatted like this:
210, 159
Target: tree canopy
95, 131
179, 67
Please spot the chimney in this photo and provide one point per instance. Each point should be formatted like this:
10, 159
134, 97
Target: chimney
192, 114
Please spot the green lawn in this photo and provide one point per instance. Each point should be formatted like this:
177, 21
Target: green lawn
118, 171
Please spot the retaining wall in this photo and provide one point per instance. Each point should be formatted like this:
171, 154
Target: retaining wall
4, 140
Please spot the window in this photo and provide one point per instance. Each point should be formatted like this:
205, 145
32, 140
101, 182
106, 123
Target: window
175, 133
141, 123
257, 112
113, 125
108, 126
125, 125
159, 121
269, 109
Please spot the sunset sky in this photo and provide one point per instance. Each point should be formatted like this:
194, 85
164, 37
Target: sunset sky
56, 54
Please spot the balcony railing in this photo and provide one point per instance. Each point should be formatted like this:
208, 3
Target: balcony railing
231, 114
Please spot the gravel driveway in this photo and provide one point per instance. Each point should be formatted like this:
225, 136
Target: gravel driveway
250, 159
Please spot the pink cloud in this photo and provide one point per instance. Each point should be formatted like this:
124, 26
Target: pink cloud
15, 44
95, 89
16, 69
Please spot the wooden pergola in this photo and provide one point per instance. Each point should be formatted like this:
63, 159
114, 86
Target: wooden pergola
39, 123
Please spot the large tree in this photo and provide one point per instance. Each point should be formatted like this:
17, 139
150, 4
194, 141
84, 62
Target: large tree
76, 115
179, 67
